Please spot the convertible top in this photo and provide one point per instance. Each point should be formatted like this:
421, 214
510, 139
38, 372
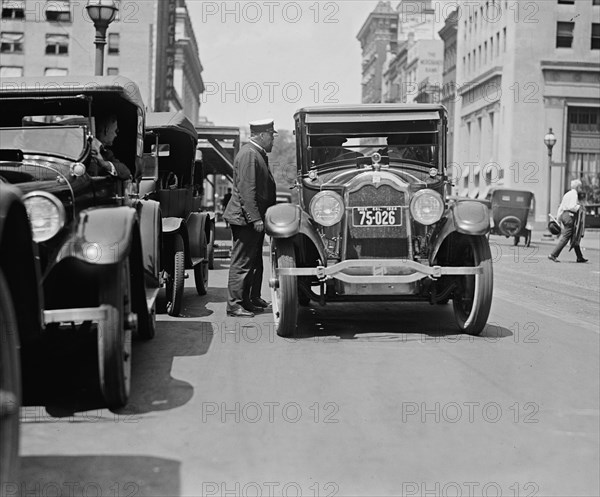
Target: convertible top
175, 122
43, 87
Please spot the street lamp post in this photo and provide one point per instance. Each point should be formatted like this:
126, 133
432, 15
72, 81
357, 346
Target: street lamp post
102, 13
549, 140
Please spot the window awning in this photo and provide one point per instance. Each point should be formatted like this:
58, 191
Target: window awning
13, 4
58, 6
11, 37
57, 39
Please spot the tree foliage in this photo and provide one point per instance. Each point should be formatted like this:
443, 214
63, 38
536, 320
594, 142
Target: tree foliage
282, 159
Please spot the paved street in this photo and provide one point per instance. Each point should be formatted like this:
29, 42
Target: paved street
372, 399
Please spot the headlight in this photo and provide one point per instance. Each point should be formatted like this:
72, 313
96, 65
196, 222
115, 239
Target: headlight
427, 207
327, 208
46, 215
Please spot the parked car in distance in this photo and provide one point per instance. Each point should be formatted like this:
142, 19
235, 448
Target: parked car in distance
20, 314
511, 213
187, 233
97, 242
373, 222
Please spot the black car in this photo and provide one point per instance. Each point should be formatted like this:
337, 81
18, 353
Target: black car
20, 315
97, 242
511, 213
373, 221
187, 233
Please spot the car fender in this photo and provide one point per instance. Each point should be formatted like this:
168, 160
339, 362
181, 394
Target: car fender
20, 265
465, 217
102, 236
470, 217
198, 231
150, 235
171, 224
283, 220
289, 221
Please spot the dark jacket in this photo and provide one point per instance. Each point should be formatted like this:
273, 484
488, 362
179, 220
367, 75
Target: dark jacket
254, 189
95, 169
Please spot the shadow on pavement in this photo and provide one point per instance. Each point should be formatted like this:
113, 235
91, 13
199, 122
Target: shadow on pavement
96, 475
60, 372
384, 321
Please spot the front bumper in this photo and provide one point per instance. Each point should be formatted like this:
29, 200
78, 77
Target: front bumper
380, 269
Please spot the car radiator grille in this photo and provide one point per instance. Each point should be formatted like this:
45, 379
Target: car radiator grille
377, 242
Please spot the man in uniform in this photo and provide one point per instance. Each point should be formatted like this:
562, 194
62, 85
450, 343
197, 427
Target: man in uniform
253, 193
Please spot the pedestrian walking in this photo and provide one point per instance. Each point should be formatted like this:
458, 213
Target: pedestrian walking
568, 211
253, 193
226, 199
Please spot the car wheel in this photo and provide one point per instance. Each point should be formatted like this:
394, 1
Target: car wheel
528, 238
284, 291
114, 335
472, 299
176, 279
201, 277
10, 388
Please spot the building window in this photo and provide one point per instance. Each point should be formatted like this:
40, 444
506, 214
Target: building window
113, 43
56, 71
58, 11
11, 42
112, 71
595, 36
13, 9
11, 71
57, 44
564, 34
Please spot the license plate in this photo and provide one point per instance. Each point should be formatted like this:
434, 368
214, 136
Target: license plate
377, 216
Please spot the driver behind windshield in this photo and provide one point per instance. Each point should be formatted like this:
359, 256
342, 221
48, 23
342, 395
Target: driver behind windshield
399, 147
104, 162
329, 148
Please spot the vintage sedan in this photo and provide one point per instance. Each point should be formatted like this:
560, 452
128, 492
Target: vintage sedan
170, 162
20, 315
374, 221
98, 244
512, 213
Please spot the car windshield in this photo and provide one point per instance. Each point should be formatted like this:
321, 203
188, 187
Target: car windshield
60, 141
412, 143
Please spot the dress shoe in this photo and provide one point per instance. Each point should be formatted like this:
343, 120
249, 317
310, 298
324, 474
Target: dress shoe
240, 312
582, 260
552, 258
252, 308
259, 302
